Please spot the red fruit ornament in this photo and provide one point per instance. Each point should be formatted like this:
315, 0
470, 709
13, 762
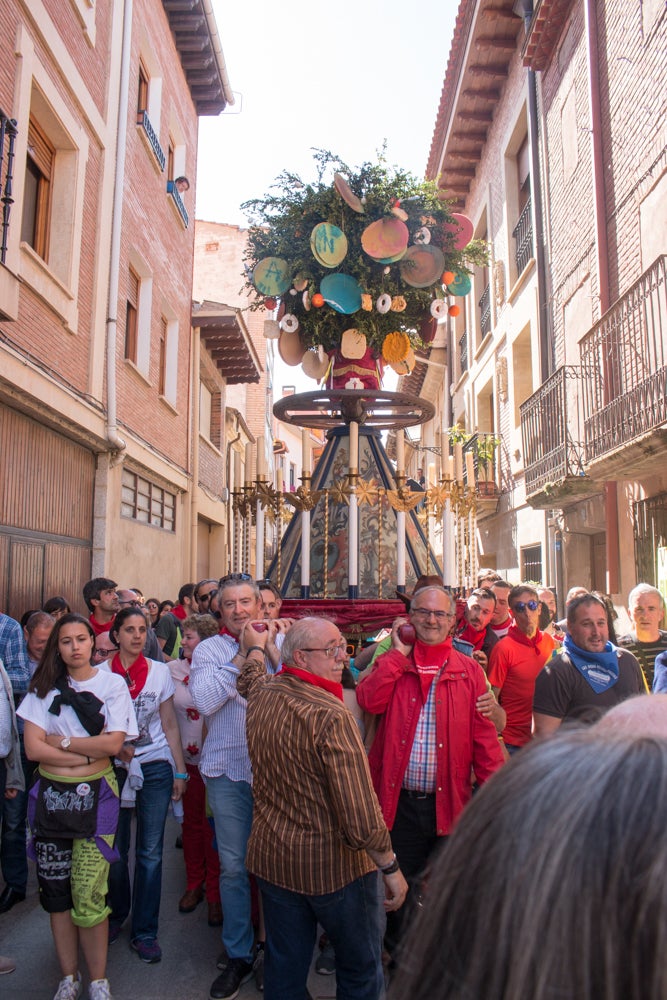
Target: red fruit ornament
270, 304
454, 310
260, 626
406, 633
317, 300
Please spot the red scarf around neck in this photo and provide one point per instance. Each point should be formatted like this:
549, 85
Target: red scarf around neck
97, 627
429, 660
321, 682
135, 677
472, 635
179, 612
521, 637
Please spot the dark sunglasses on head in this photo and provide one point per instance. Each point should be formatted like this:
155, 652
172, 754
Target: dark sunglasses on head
521, 606
235, 576
208, 595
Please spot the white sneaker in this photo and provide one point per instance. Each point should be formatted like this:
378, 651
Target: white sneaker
69, 988
99, 989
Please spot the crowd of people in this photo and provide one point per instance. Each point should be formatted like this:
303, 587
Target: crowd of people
316, 791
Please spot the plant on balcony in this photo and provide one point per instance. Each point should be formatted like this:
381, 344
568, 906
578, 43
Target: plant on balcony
485, 449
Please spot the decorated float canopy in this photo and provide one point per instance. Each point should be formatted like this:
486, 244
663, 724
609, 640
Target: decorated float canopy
360, 266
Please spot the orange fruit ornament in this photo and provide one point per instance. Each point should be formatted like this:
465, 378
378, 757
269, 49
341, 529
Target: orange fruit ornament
454, 310
317, 300
448, 277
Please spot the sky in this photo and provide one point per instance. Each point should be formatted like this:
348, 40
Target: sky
344, 76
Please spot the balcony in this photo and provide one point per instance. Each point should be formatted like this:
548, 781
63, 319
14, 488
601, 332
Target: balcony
624, 357
523, 235
178, 202
484, 449
8, 133
485, 311
151, 138
553, 446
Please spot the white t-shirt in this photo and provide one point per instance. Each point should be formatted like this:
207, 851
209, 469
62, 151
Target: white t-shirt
112, 691
151, 743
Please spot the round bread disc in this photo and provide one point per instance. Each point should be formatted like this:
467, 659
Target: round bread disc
405, 366
422, 265
291, 348
461, 284
386, 239
347, 194
328, 244
353, 344
342, 292
314, 365
462, 228
271, 276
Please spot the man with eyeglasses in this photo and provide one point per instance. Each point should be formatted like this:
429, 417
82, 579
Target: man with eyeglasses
225, 763
516, 661
203, 592
318, 837
431, 735
103, 650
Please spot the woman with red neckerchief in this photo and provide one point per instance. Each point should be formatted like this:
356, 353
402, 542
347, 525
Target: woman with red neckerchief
151, 772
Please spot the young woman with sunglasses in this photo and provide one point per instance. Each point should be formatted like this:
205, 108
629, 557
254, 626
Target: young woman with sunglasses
76, 717
151, 773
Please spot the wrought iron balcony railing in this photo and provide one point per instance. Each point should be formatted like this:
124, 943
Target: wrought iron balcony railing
550, 422
178, 202
463, 352
144, 121
485, 311
523, 235
624, 357
8, 133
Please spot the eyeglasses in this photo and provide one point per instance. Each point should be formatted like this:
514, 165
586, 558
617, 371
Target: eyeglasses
329, 651
425, 613
235, 576
103, 654
521, 606
208, 595
130, 604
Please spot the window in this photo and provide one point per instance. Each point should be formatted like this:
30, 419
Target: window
143, 501
37, 195
162, 363
142, 92
531, 564
205, 409
131, 312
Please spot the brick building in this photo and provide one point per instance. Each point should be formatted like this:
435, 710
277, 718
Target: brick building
96, 290
550, 136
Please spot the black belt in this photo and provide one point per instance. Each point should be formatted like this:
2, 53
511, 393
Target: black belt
417, 795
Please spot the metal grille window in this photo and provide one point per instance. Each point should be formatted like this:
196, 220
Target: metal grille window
650, 530
8, 133
531, 563
143, 501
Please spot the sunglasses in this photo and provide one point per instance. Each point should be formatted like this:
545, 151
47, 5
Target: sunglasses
521, 606
231, 577
208, 595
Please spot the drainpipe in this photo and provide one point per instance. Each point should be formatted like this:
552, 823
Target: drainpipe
194, 410
602, 254
116, 443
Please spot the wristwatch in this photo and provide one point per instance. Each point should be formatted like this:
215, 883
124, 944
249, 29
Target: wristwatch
65, 742
392, 868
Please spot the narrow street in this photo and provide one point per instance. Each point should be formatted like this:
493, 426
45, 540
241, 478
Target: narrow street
189, 946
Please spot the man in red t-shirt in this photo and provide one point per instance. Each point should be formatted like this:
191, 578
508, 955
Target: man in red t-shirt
516, 661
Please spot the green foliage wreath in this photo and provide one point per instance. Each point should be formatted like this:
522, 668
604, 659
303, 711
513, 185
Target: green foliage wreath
281, 224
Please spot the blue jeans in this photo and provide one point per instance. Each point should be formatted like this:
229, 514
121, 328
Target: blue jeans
151, 808
13, 813
352, 919
231, 805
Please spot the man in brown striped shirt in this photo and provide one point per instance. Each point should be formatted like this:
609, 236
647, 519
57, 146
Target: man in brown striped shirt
318, 836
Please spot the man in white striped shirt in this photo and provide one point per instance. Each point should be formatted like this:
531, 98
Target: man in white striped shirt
225, 764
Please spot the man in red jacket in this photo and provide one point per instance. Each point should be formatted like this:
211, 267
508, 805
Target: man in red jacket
431, 737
